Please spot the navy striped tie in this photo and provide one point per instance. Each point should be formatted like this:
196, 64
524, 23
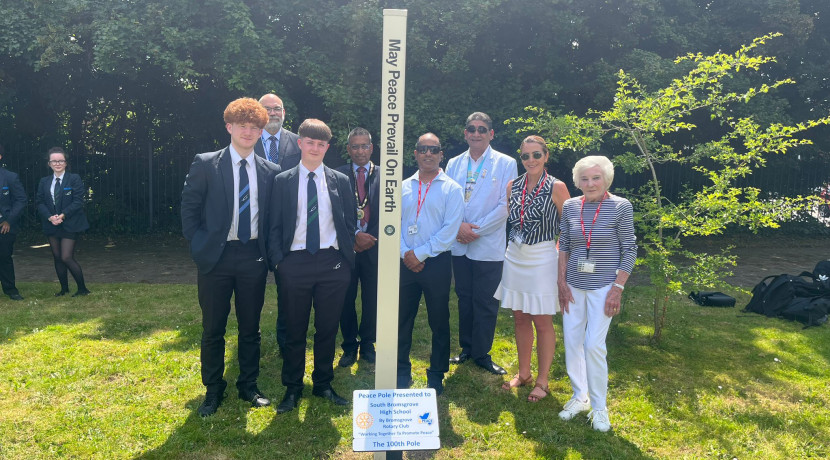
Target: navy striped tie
312, 238
243, 230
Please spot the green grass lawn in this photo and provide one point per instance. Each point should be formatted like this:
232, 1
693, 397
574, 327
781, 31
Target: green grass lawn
116, 375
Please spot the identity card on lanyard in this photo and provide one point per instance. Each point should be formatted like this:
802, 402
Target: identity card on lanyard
413, 229
586, 264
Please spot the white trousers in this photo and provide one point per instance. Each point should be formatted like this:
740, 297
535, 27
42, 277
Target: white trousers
585, 327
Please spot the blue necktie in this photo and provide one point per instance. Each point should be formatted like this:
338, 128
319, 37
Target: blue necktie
243, 230
273, 153
57, 195
312, 237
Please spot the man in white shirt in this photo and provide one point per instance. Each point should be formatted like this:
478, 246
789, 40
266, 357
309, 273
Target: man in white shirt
478, 252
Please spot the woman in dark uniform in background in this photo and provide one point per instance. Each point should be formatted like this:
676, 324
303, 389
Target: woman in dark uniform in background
60, 204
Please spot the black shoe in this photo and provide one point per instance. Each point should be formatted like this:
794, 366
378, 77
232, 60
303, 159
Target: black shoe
82, 293
329, 394
348, 358
62, 292
255, 397
367, 353
436, 384
460, 359
289, 402
15, 296
491, 367
210, 404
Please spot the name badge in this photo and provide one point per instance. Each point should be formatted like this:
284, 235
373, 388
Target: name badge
412, 229
585, 265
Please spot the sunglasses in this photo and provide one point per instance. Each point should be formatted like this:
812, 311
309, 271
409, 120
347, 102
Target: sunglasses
481, 129
433, 149
536, 156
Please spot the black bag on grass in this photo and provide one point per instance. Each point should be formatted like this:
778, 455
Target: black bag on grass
712, 299
791, 297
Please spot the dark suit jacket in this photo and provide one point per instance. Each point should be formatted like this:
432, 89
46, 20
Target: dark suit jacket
289, 150
72, 203
12, 199
207, 205
373, 183
283, 213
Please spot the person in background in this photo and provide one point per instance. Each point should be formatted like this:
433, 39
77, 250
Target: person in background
478, 252
60, 204
597, 251
279, 146
535, 204
365, 181
12, 202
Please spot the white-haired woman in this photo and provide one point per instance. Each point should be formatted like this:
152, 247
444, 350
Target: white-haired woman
597, 250
534, 203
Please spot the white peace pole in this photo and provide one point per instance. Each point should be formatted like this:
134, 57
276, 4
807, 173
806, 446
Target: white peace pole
391, 141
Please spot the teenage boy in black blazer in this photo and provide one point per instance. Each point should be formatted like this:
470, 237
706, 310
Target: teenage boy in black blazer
225, 203
311, 247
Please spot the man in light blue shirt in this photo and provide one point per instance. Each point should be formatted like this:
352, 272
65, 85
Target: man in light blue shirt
478, 252
431, 209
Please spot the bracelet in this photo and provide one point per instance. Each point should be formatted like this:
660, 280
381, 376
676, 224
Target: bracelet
618, 285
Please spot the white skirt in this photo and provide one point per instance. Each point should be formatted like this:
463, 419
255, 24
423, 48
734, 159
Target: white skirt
528, 280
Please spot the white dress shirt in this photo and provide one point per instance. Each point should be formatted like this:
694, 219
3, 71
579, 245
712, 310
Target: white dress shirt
253, 193
328, 234
487, 206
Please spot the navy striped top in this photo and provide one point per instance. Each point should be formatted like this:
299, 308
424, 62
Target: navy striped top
541, 218
613, 244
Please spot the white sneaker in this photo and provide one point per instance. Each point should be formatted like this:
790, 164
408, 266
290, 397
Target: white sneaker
599, 420
574, 407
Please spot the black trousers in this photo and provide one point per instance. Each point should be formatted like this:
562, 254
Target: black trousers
7, 264
475, 283
281, 329
365, 273
240, 273
434, 283
320, 280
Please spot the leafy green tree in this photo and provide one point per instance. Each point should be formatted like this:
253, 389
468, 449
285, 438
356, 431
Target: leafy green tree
653, 126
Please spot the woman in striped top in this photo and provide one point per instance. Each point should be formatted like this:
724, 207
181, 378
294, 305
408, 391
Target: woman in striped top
535, 203
597, 251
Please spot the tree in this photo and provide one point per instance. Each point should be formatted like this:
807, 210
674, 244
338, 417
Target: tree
689, 122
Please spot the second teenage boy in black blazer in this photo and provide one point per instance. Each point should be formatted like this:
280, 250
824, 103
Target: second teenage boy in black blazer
311, 247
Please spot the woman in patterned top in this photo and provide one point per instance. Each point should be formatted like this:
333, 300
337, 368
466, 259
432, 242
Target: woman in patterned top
597, 251
535, 203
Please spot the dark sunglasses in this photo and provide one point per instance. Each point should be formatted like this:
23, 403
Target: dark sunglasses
433, 149
536, 156
481, 129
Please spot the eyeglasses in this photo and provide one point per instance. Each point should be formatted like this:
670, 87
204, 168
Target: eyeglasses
276, 109
481, 129
433, 149
526, 156
360, 146
57, 162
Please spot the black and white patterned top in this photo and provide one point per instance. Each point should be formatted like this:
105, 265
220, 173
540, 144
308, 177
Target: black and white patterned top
541, 218
613, 244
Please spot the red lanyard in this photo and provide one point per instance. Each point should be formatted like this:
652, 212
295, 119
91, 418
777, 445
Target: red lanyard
420, 201
524, 192
582, 222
